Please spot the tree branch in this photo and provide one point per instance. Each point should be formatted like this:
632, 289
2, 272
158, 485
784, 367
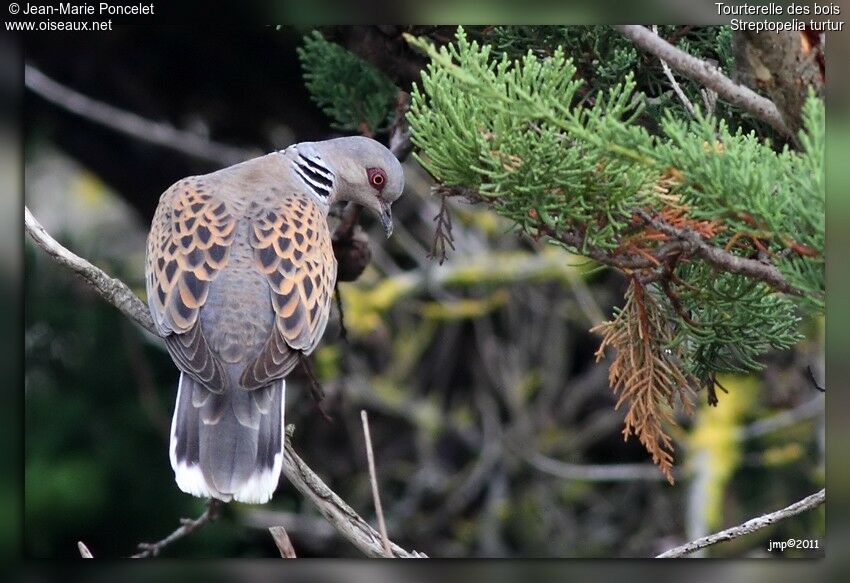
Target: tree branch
112, 290
346, 521
749, 526
696, 245
711, 77
680, 241
187, 527
808, 410
281, 539
161, 134
675, 84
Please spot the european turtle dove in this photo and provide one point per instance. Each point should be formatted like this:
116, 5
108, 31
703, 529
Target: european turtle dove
240, 275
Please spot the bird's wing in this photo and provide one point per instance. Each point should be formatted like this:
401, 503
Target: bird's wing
188, 245
292, 247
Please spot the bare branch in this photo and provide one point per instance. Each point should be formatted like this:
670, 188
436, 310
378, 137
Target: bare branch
373, 478
281, 539
681, 241
112, 290
752, 525
676, 88
187, 527
347, 522
718, 257
702, 72
161, 134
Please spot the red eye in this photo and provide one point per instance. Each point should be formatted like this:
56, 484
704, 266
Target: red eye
377, 178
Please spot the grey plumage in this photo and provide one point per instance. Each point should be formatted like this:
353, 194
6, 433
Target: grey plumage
240, 275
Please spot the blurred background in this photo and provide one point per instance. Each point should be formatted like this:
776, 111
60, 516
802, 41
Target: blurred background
494, 432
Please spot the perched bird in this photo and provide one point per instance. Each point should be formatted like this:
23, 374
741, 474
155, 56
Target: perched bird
240, 272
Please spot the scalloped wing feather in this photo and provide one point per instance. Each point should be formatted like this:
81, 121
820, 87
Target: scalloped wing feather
292, 247
188, 245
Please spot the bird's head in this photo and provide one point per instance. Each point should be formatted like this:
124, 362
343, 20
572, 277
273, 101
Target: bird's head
355, 169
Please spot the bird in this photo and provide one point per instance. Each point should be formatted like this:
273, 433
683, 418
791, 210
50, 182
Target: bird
240, 273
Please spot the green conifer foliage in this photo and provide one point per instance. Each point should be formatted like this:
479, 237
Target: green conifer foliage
609, 172
355, 95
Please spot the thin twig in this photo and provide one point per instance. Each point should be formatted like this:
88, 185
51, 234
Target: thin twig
721, 258
158, 133
676, 88
187, 527
709, 76
112, 290
347, 522
281, 539
682, 240
752, 525
373, 478
343, 331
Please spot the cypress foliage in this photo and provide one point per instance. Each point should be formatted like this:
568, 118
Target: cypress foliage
355, 95
581, 151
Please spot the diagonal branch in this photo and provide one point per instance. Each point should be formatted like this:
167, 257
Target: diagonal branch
680, 241
675, 84
187, 527
158, 133
346, 521
752, 525
112, 290
282, 541
708, 75
721, 258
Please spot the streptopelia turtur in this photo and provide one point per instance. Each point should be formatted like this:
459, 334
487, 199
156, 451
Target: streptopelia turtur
240, 275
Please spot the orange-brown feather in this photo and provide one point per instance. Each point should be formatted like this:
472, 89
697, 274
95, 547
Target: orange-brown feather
188, 245
292, 247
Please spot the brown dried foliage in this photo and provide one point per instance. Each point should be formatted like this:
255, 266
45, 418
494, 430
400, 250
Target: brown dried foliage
644, 373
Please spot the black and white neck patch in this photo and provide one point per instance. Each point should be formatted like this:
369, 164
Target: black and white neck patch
312, 170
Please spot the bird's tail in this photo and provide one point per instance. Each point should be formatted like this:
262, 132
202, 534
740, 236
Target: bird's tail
230, 445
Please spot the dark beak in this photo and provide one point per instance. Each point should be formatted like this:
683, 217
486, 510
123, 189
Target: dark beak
387, 219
